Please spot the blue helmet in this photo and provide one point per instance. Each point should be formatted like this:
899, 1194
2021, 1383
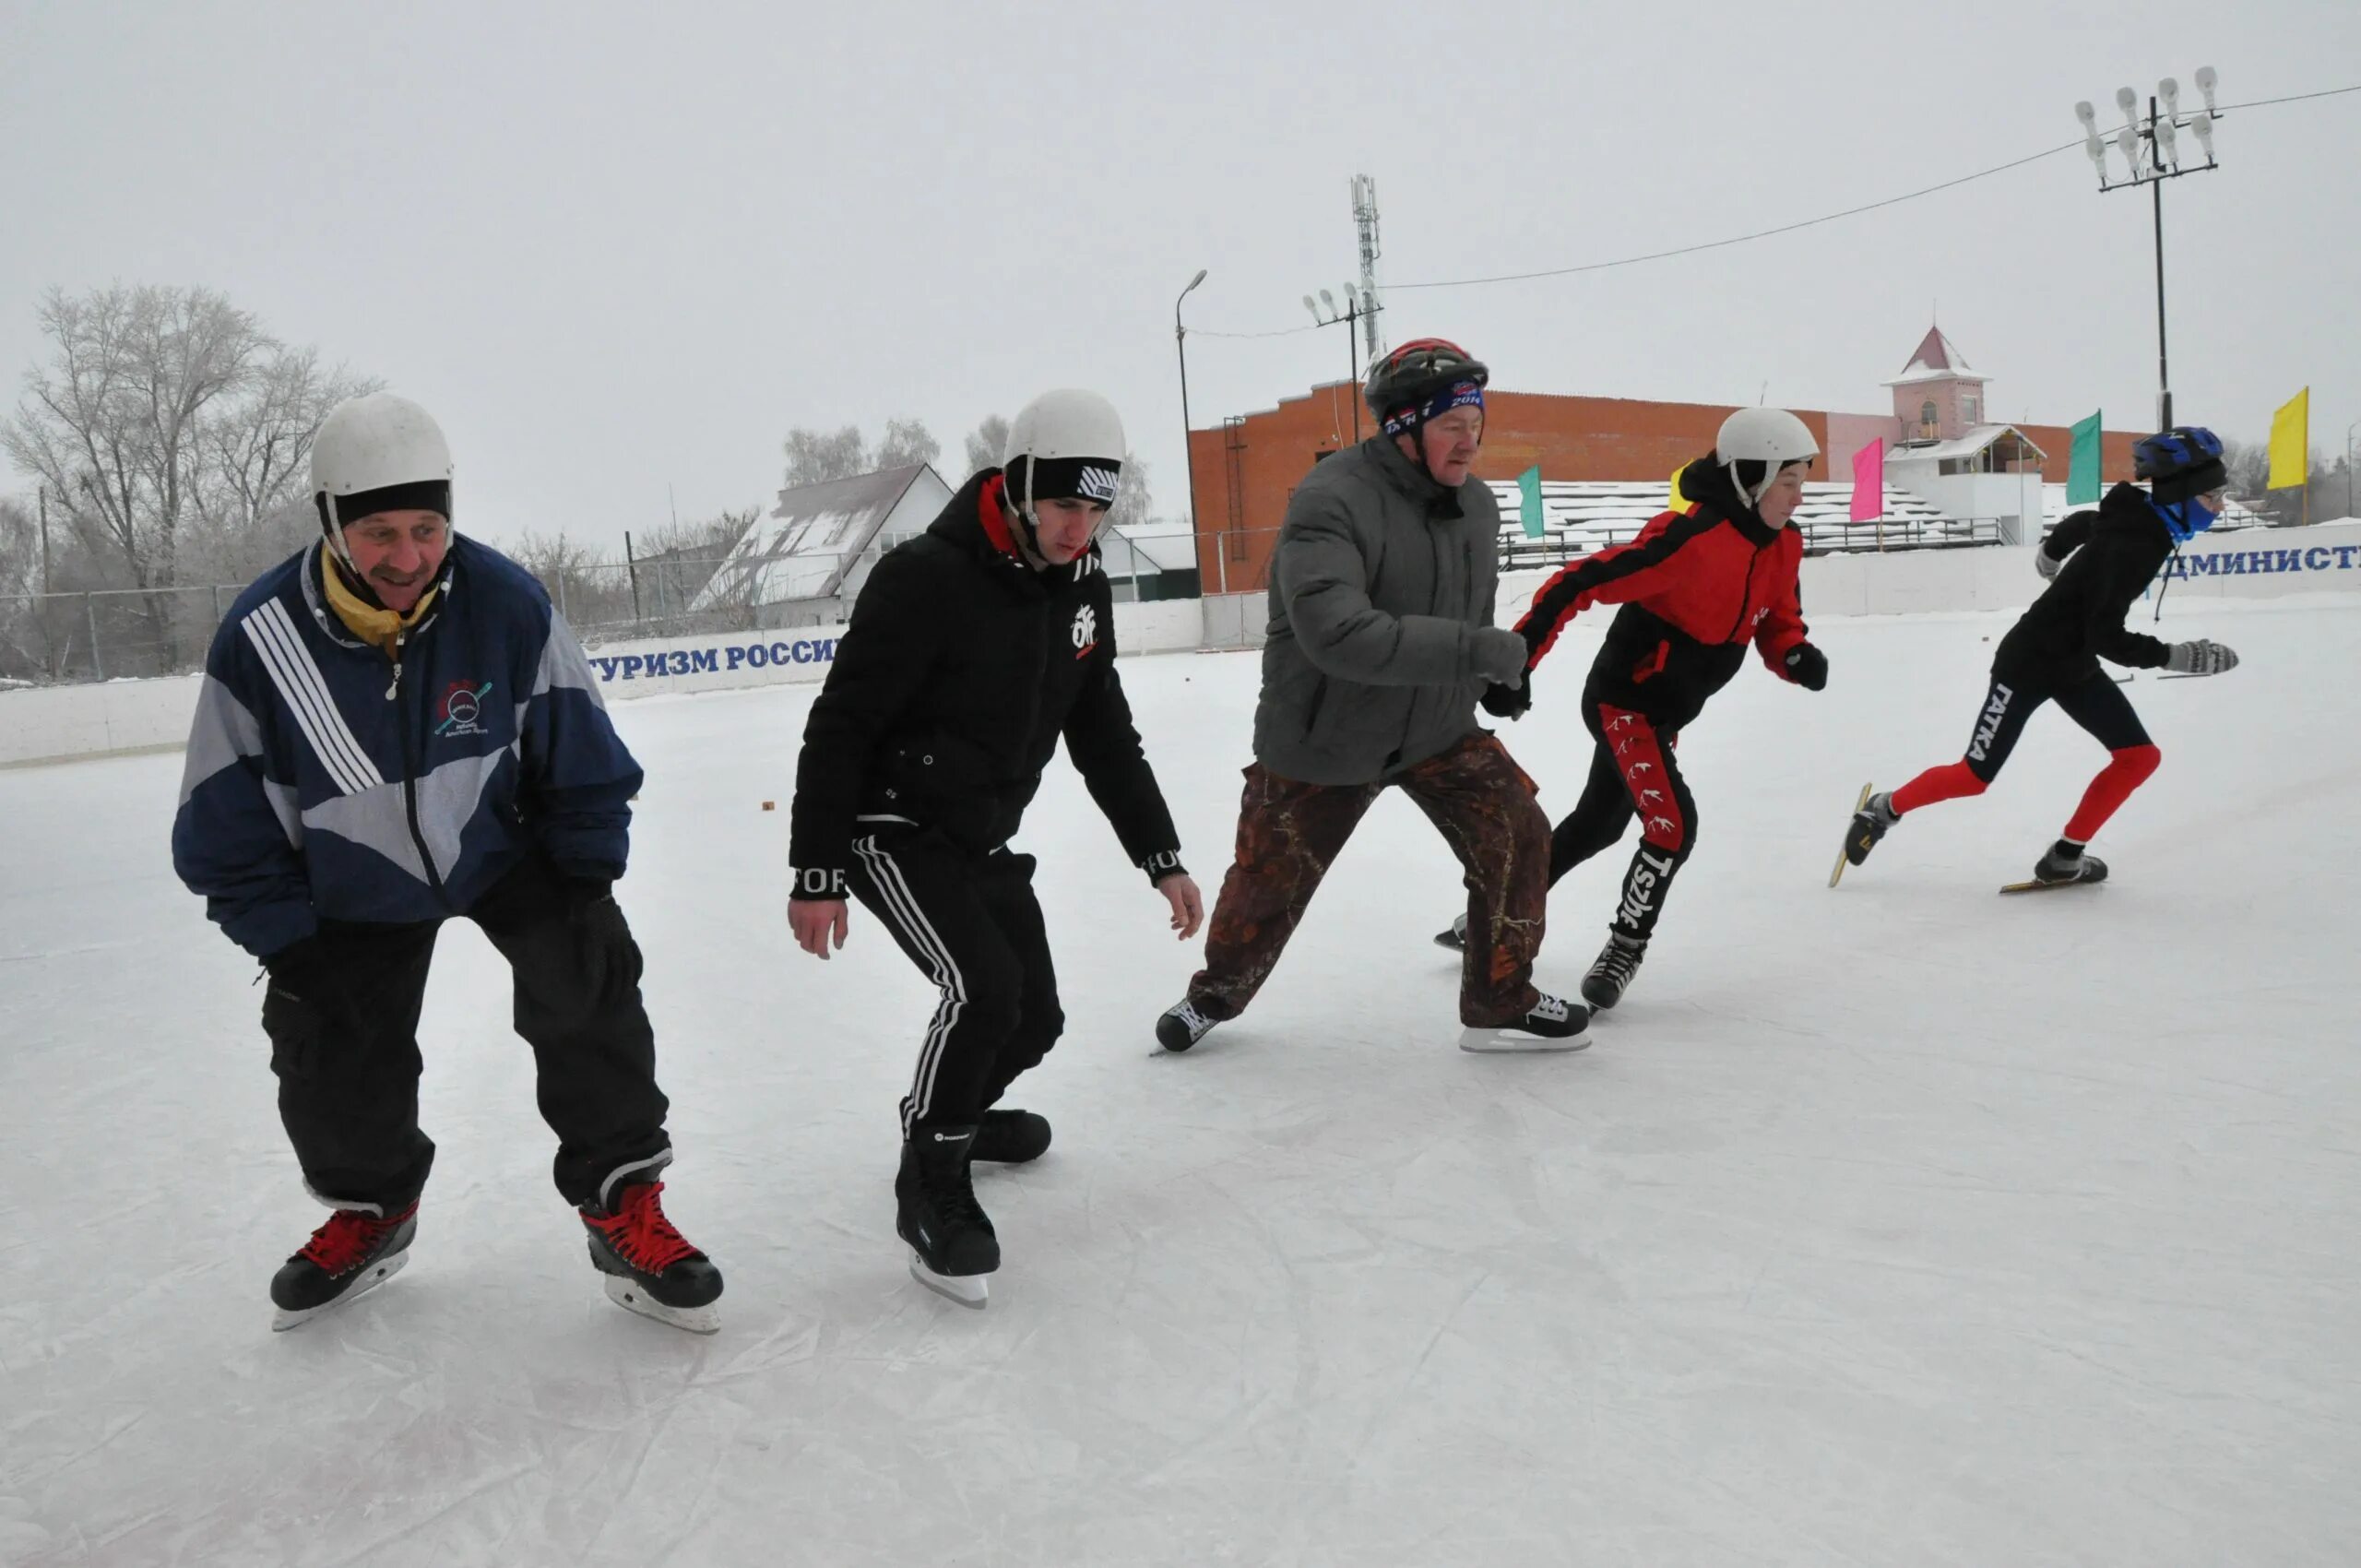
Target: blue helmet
2174, 452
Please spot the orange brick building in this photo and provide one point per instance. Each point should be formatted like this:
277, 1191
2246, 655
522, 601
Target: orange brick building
1246, 467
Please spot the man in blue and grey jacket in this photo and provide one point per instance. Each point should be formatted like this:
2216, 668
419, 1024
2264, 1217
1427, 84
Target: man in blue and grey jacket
397, 727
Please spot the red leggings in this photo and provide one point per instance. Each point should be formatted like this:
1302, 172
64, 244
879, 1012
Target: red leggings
2097, 703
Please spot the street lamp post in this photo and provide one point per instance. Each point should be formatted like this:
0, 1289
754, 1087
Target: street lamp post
2150, 150
1188, 447
1359, 304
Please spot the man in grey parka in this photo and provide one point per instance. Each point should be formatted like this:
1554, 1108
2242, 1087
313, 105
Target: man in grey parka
1380, 645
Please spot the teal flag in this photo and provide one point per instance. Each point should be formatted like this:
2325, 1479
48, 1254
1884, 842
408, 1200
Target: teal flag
1529, 482
2082, 467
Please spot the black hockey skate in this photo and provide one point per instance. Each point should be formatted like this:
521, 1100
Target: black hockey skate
1182, 1025
1011, 1137
951, 1244
353, 1253
651, 1268
1612, 975
1455, 938
1554, 1024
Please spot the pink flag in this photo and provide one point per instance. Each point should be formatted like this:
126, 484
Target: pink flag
1868, 483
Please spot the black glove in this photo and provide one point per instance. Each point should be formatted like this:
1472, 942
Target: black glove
609, 956
1806, 667
1507, 702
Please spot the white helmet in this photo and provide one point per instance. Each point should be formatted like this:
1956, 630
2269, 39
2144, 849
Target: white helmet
369, 446
1755, 444
1066, 444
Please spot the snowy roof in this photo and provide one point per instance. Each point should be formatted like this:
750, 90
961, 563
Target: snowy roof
1968, 445
804, 548
1937, 359
1579, 516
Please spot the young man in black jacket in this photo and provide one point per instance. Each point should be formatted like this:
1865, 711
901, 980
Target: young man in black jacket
973, 649
2099, 563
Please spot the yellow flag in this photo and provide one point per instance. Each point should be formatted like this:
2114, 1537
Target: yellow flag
2291, 441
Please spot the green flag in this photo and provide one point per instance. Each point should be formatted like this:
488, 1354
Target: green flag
1529, 482
2082, 467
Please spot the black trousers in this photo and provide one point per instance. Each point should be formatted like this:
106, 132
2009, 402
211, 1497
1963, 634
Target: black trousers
347, 1072
1632, 774
972, 926
2092, 700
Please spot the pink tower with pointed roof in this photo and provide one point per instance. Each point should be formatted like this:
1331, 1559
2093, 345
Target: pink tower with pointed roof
1937, 397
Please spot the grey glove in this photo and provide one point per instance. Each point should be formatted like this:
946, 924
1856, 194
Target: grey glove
1497, 656
2200, 657
2048, 566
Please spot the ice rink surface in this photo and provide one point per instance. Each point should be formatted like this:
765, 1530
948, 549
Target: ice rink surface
1901, 1225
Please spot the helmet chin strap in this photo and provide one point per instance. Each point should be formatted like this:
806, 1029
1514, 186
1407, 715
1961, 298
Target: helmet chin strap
1028, 528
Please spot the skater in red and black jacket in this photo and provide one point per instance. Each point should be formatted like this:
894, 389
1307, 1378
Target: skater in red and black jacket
2100, 562
1716, 572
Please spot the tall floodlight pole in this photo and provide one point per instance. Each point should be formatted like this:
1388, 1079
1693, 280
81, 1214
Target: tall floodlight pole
2150, 150
1358, 307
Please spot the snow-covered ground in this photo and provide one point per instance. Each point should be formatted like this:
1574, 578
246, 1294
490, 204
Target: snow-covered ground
1898, 1225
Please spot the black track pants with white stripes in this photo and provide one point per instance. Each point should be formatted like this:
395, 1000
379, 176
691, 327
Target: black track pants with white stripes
972, 926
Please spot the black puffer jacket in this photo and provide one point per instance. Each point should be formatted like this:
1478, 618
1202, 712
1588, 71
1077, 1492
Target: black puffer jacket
962, 669
2111, 556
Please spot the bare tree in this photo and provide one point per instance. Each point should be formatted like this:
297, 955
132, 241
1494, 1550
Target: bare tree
2249, 463
164, 411
1132, 500
905, 443
815, 457
987, 444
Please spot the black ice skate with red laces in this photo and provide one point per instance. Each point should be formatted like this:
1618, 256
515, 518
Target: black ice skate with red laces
650, 1268
354, 1252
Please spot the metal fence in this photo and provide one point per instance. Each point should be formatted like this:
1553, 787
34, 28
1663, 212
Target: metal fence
112, 634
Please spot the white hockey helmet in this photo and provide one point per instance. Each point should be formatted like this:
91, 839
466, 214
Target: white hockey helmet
381, 453
1755, 444
1064, 445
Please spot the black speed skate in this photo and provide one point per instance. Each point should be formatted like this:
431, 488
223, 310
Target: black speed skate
354, 1252
2066, 863
651, 1268
1011, 1137
1869, 825
1455, 937
953, 1247
1612, 975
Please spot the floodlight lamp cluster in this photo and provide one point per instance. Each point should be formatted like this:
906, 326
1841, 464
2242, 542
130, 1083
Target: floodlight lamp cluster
2150, 144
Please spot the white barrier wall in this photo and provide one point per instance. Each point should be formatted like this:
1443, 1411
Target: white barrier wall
56, 723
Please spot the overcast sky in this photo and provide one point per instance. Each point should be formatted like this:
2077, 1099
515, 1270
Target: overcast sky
618, 248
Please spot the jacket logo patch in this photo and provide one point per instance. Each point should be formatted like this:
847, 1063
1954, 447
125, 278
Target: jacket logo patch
1085, 630
462, 709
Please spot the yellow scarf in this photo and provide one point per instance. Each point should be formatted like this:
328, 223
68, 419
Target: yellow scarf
380, 627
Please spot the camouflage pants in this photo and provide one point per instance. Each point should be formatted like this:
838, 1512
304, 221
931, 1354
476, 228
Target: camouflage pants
1289, 832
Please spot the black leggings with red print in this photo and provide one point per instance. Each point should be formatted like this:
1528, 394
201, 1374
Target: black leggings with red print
1633, 773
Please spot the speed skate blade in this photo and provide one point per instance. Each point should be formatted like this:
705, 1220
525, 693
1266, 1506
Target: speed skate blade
1516, 1042
2050, 886
1841, 860
384, 1268
629, 1295
967, 1289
